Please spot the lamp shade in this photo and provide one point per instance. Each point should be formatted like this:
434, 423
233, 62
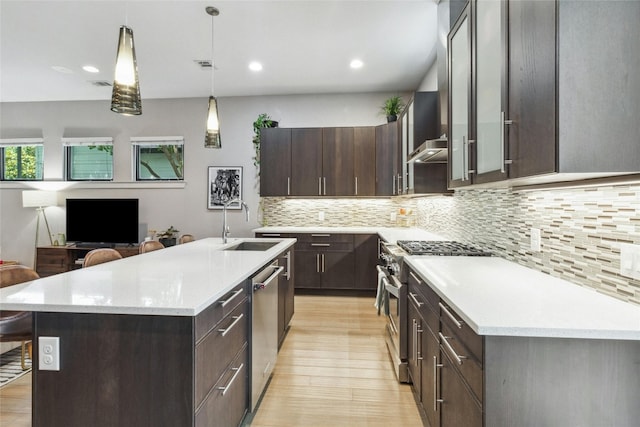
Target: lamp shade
212, 138
39, 198
125, 97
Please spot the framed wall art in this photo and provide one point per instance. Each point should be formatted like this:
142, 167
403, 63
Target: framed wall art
225, 185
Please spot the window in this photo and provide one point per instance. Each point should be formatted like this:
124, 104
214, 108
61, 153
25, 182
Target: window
22, 159
158, 158
88, 159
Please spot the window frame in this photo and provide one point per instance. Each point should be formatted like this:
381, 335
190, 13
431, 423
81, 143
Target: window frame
21, 142
146, 141
69, 143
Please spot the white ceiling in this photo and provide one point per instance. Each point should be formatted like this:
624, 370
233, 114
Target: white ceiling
305, 46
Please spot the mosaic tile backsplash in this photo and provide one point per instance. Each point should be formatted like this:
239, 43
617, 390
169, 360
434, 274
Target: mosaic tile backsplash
581, 228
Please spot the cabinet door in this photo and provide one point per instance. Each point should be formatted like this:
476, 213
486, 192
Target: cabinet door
489, 43
429, 367
364, 160
387, 141
338, 269
459, 100
532, 88
458, 407
306, 161
337, 162
275, 161
307, 268
414, 346
366, 248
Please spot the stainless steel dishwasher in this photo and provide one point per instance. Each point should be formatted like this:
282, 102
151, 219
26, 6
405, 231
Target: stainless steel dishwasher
264, 324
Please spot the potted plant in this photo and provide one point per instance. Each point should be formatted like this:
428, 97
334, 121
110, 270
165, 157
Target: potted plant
263, 121
168, 236
392, 107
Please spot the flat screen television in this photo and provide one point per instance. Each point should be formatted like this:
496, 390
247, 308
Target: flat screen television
102, 222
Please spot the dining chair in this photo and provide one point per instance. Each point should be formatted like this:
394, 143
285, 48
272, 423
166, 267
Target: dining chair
100, 255
150, 245
186, 238
17, 325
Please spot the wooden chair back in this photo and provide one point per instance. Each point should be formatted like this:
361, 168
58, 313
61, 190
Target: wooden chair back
99, 256
186, 238
150, 245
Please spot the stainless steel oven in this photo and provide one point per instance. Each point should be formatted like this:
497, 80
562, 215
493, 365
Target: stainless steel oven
396, 313
392, 273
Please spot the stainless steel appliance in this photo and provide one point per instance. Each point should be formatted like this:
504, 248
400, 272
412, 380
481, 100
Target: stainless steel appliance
394, 275
264, 324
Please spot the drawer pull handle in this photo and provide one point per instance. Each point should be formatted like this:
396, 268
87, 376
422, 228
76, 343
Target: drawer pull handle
321, 244
415, 277
436, 365
233, 378
271, 235
226, 331
449, 348
415, 300
458, 323
321, 235
235, 294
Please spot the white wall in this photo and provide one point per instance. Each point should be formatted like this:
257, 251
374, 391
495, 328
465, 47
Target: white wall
184, 208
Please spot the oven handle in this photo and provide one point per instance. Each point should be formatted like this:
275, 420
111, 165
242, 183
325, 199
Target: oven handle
393, 290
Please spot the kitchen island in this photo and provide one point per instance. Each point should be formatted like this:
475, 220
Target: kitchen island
140, 338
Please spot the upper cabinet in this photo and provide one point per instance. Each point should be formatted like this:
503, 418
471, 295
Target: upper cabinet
310, 162
536, 88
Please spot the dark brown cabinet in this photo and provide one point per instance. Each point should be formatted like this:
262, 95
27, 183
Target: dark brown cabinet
275, 162
338, 162
59, 259
388, 173
286, 302
364, 161
533, 95
366, 254
306, 162
333, 260
325, 261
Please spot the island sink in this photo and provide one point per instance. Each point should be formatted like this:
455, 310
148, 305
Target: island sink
251, 246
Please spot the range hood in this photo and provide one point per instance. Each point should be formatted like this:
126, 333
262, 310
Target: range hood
431, 151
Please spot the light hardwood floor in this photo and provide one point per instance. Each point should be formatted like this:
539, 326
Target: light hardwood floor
333, 370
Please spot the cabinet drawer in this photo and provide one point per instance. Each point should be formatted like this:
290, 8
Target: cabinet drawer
472, 341
427, 311
228, 401
217, 348
276, 235
469, 366
219, 309
324, 247
325, 238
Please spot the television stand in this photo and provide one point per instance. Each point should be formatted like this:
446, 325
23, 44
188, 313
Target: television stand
94, 245
59, 259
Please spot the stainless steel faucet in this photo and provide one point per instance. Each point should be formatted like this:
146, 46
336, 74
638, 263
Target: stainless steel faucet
225, 227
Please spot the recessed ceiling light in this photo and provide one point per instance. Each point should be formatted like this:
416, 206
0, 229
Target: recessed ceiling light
90, 69
356, 63
61, 69
255, 66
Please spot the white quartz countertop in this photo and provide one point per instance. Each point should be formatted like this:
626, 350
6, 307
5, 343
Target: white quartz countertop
180, 280
499, 297
390, 234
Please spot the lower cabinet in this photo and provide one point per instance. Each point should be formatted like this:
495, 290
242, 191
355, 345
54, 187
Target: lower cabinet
445, 360
333, 261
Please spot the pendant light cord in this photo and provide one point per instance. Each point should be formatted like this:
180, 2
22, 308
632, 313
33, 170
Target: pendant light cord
212, 56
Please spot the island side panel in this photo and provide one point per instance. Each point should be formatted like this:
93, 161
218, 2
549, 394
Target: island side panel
116, 370
533, 382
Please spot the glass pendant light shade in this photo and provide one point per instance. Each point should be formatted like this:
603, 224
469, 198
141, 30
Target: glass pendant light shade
212, 138
125, 98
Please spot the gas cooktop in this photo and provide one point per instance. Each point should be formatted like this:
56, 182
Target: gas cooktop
442, 248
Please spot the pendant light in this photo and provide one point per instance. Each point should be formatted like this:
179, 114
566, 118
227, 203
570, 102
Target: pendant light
125, 98
212, 137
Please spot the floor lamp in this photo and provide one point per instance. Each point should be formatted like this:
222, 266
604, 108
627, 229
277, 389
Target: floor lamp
40, 200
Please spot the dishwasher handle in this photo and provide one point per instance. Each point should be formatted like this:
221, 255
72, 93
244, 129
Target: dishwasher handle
262, 285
